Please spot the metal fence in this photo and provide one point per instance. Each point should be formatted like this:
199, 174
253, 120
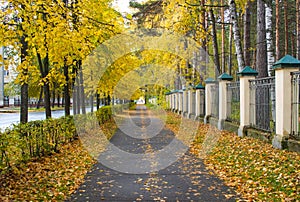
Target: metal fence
262, 104
215, 100
295, 104
233, 102
6, 101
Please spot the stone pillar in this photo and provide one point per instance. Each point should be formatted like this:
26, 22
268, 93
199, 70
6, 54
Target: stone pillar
190, 103
198, 103
173, 101
208, 83
245, 75
179, 102
283, 93
223, 80
184, 102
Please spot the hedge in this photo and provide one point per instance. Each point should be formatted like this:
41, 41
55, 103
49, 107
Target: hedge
34, 139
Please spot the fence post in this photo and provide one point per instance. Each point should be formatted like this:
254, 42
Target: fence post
179, 101
172, 101
190, 102
223, 80
245, 75
208, 83
168, 100
184, 102
198, 88
283, 93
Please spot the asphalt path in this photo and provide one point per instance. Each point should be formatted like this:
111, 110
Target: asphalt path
116, 178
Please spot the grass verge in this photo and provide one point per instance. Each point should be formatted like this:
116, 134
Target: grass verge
50, 178
254, 168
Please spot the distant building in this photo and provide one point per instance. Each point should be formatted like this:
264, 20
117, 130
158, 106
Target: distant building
2, 78
6, 76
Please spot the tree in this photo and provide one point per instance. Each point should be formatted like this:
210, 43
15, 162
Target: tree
215, 44
261, 52
277, 27
269, 38
236, 34
247, 38
298, 27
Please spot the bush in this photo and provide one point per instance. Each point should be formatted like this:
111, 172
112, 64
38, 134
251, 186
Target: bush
38, 138
34, 139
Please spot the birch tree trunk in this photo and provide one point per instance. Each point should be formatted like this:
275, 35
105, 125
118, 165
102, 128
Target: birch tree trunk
269, 39
236, 35
215, 44
261, 54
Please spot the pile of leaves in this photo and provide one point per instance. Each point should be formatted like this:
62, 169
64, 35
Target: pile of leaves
53, 177
254, 168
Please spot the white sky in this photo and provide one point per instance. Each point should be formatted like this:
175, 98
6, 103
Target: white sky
123, 5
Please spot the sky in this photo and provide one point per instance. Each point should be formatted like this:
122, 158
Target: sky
123, 5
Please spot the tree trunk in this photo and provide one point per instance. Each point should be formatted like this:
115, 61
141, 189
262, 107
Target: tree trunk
298, 28
81, 88
98, 101
215, 44
92, 102
286, 28
247, 38
277, 37
24, 86
269, 39
222, 39
53, 96
47, 95
203, 52
77, 91
44, 69
40, 99
58, 99
74, 100
261, 54
236, 35
67, 98
230, 52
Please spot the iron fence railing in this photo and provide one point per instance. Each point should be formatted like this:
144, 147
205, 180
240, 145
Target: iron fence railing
233, 102
295, 132
262, 104
215, 100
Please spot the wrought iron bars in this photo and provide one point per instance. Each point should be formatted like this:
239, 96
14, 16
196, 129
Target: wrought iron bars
233, 102
295, 104
262, 104
215, 100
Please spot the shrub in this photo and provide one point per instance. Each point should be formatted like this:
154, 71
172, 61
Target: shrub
34, 139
